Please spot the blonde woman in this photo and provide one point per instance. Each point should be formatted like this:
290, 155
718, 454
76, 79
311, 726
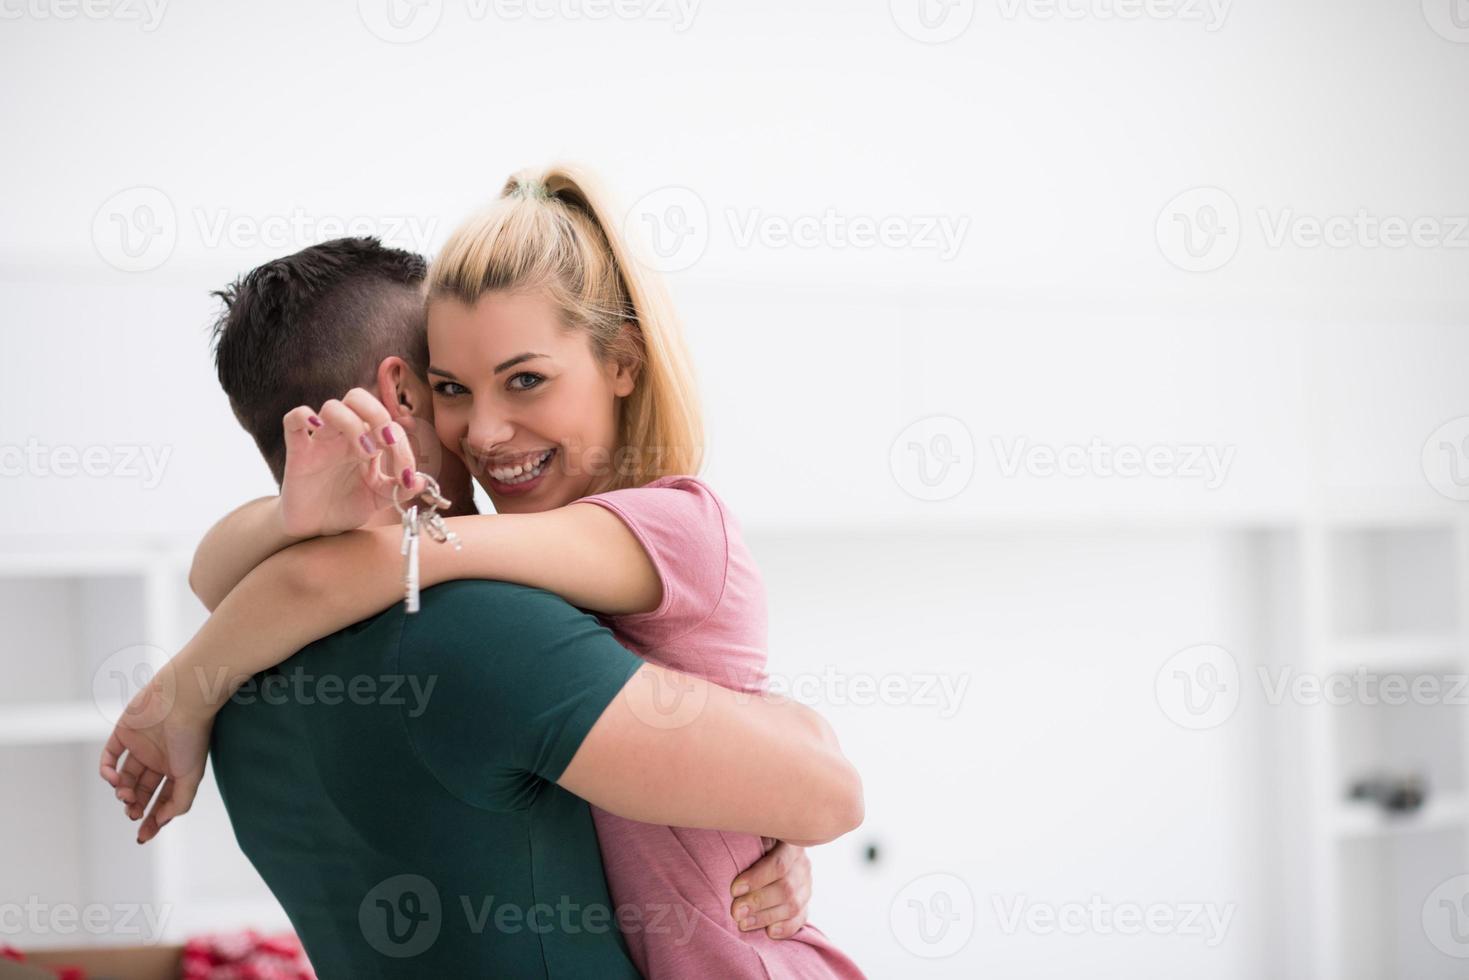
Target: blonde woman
560, 378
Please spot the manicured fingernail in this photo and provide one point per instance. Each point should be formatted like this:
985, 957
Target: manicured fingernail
747, 923
388, 435
408, 477
314, 421
740, 888
366, 443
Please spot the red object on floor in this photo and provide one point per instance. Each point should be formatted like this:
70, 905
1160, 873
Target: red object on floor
245, 956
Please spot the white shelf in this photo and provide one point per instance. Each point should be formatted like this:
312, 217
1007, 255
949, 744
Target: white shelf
52, 723
1362, 820
1424, 653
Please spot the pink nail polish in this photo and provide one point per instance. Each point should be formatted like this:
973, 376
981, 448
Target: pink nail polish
367, 445
314, 422
388, 435
408, 477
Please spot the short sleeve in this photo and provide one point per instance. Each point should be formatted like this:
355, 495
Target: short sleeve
681, 525
520, 677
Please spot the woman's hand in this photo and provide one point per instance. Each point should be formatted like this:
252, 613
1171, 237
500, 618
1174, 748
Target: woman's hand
157, 742
343, 464
774, 893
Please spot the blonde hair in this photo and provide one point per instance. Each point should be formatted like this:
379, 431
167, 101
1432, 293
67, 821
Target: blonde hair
550, 230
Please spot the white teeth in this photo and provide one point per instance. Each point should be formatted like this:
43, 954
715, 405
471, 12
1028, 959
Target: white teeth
523, 472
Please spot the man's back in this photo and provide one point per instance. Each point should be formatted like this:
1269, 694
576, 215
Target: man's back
391, 783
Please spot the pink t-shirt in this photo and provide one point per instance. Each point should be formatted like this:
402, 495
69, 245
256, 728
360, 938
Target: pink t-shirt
711, 623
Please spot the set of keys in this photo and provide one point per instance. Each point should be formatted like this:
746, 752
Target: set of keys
419, 519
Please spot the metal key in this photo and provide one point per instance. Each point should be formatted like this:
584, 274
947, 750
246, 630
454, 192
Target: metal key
409, 551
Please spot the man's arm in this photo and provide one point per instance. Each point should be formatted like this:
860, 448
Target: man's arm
675, 749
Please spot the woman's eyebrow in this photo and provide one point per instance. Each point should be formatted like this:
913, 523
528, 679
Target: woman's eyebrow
518, 358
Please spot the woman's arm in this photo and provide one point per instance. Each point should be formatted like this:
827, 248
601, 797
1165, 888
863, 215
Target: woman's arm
581, 552
241, 540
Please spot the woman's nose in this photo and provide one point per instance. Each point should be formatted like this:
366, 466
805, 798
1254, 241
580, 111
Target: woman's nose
488, 429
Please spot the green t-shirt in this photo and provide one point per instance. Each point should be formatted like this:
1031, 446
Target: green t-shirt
393, 785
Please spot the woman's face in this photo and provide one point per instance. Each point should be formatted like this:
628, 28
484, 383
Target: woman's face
522, 399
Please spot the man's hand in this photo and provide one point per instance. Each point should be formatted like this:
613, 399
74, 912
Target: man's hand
334, 477
774, 893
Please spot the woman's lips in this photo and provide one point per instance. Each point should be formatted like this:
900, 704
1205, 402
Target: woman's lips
521, 488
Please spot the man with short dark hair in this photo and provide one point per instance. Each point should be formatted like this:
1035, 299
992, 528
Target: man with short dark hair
421, 831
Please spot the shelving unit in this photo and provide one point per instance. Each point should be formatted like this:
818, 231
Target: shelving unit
86, 627
1383, 595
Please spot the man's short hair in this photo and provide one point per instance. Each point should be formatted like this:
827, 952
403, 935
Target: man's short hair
306, 328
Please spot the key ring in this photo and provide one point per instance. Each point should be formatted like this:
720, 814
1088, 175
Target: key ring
430, 490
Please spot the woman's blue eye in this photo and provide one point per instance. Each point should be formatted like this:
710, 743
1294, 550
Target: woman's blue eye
534, 382
449, 388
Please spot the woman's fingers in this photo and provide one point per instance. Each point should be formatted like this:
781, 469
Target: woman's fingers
112, 753
341, 420
384, 433
147, 786
297, 425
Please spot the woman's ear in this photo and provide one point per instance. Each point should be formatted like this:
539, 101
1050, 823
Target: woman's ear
625, 368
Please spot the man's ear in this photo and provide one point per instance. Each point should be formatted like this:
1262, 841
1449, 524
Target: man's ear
400, 390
